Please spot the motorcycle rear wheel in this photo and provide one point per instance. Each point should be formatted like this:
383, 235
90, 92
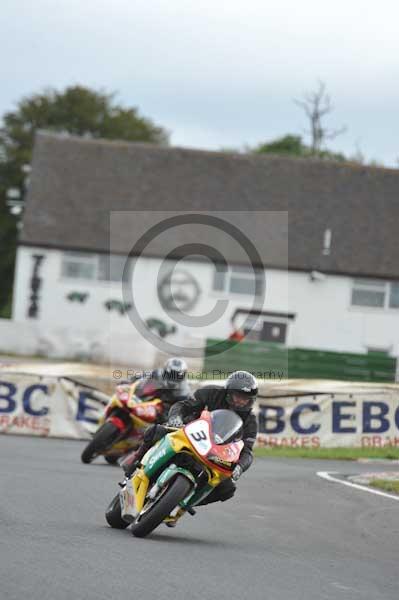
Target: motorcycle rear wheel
104, 437
178, 490
113, 514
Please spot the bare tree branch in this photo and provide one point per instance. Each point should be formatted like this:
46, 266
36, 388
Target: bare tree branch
331, 135
316, 105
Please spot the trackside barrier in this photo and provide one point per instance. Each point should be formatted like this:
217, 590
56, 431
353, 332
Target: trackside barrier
299, 413
48, 406
306, 416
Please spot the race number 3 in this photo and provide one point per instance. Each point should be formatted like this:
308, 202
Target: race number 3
198, 435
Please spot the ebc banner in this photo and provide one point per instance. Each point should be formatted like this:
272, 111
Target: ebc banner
330, 420
48, 406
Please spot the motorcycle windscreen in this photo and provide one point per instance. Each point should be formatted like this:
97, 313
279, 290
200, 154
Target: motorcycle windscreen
226, 426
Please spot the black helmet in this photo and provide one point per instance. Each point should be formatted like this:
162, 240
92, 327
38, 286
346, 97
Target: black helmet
242, 391
175, 369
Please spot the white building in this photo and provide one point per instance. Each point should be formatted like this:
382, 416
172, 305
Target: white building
325, 235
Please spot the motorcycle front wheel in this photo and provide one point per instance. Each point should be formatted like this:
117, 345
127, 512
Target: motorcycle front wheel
177, 491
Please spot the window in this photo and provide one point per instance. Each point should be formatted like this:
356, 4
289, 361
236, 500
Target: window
84, 265
79, 265
367, 292
394, 296
375, 293
238, 280
111, 267
219, 278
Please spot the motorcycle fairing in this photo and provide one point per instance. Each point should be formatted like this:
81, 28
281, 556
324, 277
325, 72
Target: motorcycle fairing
196, 439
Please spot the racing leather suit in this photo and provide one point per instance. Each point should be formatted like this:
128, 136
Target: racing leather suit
169, 391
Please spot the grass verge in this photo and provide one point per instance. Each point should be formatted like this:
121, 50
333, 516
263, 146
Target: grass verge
386, 484
330, 453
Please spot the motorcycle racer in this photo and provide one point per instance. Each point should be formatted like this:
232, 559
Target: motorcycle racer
238, 394
169, 384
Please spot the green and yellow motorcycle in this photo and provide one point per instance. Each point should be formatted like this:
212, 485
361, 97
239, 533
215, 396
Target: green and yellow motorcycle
178, 472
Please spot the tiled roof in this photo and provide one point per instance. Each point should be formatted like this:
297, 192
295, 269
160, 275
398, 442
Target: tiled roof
76, 182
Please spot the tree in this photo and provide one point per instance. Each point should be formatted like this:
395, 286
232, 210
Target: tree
293, 145
290, 145
317, 105
76, 110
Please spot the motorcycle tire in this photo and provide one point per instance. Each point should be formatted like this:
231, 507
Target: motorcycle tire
112, 460
113, 514
102, 439
178, 490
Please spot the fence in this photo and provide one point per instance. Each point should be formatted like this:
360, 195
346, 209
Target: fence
277, 362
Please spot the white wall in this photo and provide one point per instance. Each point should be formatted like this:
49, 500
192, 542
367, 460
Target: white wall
324, 317
55, 310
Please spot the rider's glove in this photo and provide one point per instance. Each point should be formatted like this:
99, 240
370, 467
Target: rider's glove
237, 472
175, 421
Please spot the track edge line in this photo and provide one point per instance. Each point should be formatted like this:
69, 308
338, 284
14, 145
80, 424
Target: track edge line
328, 476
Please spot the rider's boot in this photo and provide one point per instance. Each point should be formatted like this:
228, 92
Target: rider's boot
130, 462
171, 520
152, 435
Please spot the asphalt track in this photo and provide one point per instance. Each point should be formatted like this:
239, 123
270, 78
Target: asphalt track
286, 535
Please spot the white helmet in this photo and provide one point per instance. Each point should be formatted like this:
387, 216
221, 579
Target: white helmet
175, 369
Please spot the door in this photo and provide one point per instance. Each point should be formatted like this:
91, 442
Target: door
273, 331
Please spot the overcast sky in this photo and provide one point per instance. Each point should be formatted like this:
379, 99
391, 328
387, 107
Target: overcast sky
216, 73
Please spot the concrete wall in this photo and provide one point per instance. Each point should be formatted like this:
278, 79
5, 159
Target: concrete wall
33, 339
